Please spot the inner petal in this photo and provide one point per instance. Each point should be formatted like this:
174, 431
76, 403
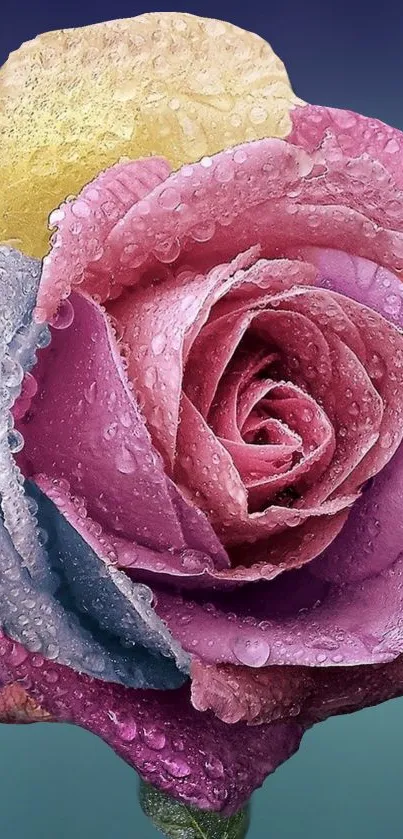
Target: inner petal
305, 419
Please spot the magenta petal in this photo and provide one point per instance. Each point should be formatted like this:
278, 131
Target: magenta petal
188, 563
193, 756
308, 694
85, 428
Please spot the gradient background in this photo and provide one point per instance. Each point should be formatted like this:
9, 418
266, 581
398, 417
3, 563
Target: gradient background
58, 782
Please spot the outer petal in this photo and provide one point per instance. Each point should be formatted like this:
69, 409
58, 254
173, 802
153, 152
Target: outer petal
84, 223
237, 693
75, 101
192, 756
19, 339
96, 589
296, 619
35, 605
275, 194
309, 695
349, 134
44, 623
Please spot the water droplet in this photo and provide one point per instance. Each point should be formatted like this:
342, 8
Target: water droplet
168, 251
214, 768
15, 441
90, 393
253, 653
240, 156
51, 676
169, 198
386, 440
44, 338
154, 738
193, 560
110, 431
177, 767
203, 232
126, 421
125, 462
17, 655
51, 651
43, 536
224, 171
11, 373
64, 316
80, 209
56, 216
158, 343
257, 115
127, 730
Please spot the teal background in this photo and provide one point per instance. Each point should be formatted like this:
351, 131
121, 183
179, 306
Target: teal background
58, 782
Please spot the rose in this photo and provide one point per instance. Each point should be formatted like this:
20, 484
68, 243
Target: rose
218, 416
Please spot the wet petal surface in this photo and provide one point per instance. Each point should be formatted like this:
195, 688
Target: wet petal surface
190, 755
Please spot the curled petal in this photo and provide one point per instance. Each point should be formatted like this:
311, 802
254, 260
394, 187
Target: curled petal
84, 223
306, 694
156, 323
298, 618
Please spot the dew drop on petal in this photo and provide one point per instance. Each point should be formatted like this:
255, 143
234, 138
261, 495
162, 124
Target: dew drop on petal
64, 316
154, 738
125, 462
127, 730
15, 441
253, 653
214, 768
177, 767
158, 343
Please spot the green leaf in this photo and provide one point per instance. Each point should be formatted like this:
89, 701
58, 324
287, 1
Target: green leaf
180, 821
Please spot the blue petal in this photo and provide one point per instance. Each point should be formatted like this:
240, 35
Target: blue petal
103, 592
19, 340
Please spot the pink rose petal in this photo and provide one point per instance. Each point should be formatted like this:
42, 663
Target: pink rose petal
83, 224
306, 694
84, 427
154, 323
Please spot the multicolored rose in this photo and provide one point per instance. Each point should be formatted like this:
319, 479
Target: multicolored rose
201, 460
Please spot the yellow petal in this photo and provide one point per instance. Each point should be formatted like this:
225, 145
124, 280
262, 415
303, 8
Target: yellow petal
75, 101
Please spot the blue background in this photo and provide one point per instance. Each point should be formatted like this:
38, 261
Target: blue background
58, 781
